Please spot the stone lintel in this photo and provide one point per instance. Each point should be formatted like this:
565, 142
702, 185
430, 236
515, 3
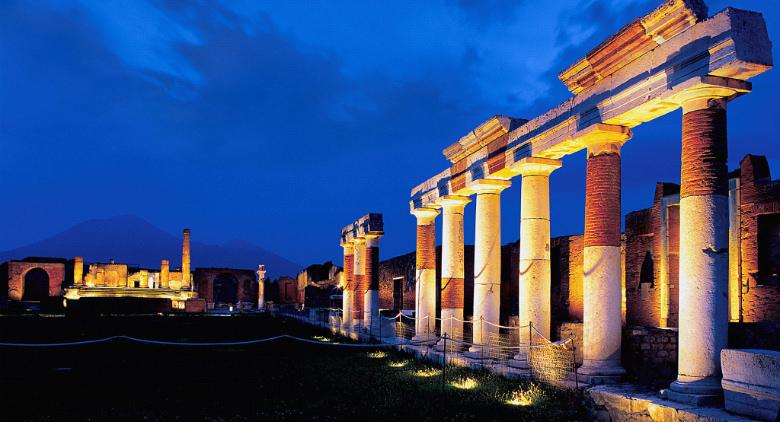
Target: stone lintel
712, 87
535, 166
369, 225
726, 49
488, 131
425, 215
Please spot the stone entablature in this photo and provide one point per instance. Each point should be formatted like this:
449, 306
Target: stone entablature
717, 54
368, 225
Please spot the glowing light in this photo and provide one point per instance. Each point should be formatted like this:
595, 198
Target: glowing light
398, 363
465, 383
377, 355
322, 339
428, 372
526, 397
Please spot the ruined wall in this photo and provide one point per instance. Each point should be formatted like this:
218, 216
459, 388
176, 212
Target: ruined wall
650, 353
247, 283
18, 269
760, 226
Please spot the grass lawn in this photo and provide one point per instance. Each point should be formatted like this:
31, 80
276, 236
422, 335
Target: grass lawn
283, 380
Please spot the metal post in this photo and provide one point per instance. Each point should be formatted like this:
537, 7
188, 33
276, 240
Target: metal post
380, 326
482, 339
530, 336
444, 363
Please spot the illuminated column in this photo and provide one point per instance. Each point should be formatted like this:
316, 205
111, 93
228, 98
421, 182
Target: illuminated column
360, 281
487, 261
425, 285
371, 298
703, 317
164, 274
534, 271
452, 267
349, 285
602, 281
78, 271
261, 287
185, 261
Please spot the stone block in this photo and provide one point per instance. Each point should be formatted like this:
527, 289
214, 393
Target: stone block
751, 382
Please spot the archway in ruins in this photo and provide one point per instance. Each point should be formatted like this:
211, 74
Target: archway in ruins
36, 285
225, 289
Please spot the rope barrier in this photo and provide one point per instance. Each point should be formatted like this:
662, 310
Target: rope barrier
201, 344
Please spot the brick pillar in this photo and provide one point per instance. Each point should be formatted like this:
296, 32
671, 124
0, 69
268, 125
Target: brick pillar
425, 284
261, 287
371, 297
602, 281
703, 317
452, 267
487, 261
186, 278
348, 291
361, 285
534, 271
78, 271
164, 274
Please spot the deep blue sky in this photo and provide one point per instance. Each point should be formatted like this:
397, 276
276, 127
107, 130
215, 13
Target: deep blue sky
280, 122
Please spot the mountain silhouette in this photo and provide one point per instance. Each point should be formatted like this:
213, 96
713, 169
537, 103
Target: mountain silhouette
132, 240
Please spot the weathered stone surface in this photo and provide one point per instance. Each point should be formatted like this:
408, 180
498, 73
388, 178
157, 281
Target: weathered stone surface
751, 382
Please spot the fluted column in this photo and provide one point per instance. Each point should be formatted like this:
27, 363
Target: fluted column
186, 278
534, 271
371, 297
360, 281
425, 285
703, 317
487, 261
78, 270
348, 291
261, 287
602, 312
452, 267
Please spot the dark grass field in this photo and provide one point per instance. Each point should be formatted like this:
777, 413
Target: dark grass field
283, 380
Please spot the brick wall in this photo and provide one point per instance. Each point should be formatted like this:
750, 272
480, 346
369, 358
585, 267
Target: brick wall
650, 353
18, 269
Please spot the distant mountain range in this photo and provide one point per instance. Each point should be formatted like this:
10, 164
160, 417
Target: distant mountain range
134, 241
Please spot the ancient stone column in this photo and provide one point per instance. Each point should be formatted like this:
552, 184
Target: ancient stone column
360, 281
164, 274
186, 277
371, 297
143, 279
348, 292
78, 271
703, 317
487, 262
452, 267
261, 287
534, 271
602, 281
425, 285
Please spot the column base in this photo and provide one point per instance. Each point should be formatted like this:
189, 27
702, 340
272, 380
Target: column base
601, 372
698, 392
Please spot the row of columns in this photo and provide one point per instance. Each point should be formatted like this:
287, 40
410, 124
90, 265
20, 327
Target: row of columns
360, 295
703, 252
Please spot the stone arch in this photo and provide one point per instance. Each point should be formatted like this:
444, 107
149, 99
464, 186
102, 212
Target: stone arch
225, 288
35, 286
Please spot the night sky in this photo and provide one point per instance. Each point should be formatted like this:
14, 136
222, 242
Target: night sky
281, 122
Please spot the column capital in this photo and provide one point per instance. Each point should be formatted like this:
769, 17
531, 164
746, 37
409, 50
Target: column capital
603, 138
452, 202
425, 215
490, 186
712, 92
347, 245
536, 166
358, 241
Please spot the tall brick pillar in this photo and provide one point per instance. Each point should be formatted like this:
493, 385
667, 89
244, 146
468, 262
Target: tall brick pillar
487, 262
703, 317
361, 284
78, 271
371, 297
534, 271
164, 274
602, 281
425, 285
452, 267
261, 287
186, 277
348, 293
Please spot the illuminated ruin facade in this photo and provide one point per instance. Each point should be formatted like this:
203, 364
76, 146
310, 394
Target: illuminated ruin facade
675, 57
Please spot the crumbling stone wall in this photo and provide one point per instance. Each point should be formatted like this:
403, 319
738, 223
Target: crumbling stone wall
759, 201
55, 269
247, 284
650, 353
